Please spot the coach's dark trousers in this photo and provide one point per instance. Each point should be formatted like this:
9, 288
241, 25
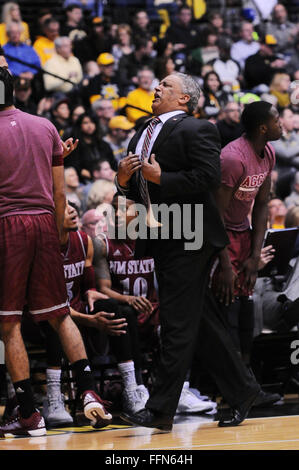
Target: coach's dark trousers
188, 320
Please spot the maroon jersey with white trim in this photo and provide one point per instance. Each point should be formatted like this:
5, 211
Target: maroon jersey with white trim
74, 257
130, 276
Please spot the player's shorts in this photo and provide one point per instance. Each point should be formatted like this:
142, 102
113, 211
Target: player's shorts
239, 251
31, 269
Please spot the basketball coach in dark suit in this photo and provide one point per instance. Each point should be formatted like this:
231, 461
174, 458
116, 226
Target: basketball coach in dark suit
176, 160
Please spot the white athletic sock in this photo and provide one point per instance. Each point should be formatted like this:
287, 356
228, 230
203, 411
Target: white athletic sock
53, 381
127, 372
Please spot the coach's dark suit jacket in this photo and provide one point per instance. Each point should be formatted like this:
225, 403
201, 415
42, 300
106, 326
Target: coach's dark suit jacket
188, 151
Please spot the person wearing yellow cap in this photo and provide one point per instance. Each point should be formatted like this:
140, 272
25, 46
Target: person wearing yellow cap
119, 135
104, 85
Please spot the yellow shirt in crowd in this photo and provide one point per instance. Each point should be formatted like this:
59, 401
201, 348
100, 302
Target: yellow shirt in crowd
142, 99
25, 36
44, 48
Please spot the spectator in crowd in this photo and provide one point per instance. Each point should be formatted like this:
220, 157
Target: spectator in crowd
124, 44
23, 96
101, 191
72, 186
73, 26
90, 220
42, 15
183, 34
230, 127
164, 66
91, 69
61, 115
260, 67
104, 111
216, 24
63, 64
11, 12
141, 24
280, 87
118, 136
215, 96
91, 147
282, 29
44, 45
293, 198
210, 50
293, 63
246, 46
15, 48
287, 154
227, 68
106, 84
130, 64
142, 97
94, 44
277, 211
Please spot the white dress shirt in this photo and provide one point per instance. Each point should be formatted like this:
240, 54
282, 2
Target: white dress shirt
163, 118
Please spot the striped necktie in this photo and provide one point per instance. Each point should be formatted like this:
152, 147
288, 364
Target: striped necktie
144, 154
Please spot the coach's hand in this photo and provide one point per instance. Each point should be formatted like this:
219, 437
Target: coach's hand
151, 171
127, 167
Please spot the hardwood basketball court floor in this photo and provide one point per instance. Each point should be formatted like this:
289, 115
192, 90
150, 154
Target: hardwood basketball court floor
276, 428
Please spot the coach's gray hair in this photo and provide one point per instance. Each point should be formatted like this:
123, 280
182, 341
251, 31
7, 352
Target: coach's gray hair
191, 88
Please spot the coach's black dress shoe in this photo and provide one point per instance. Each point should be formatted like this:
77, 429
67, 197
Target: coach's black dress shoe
149, 419
240, 413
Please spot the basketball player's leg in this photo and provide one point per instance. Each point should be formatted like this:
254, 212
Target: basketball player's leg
17, 248
48, 301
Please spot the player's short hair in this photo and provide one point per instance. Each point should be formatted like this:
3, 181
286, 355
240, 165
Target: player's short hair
254, 115
6, 88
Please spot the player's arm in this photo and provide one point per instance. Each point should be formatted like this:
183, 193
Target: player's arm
102, 321
59, 196
259, 225
102, 272
89, 281
227, 277
103, 279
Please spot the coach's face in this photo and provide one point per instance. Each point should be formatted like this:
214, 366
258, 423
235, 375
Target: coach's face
169, 96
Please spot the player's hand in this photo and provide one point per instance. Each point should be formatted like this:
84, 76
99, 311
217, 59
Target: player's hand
267, 254
225, 288
151, 171
93, 296
103, 321
127, 167
69, 146
250, 269
141, 304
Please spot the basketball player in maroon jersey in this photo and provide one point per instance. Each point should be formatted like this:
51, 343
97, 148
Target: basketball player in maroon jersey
246, 165
98, 311
32, 202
